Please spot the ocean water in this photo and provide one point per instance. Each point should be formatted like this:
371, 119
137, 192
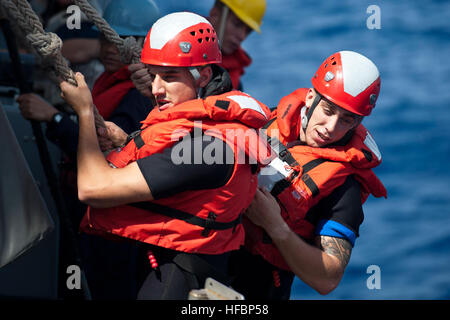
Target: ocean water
406, 235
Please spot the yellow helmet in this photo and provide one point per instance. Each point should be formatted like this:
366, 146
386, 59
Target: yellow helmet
249, 11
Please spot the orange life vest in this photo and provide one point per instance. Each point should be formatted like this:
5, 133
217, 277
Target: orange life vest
200, 221
310, 174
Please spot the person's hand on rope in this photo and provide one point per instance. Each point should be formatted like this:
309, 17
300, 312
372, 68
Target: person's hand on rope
80, 97
33, 107
111, 136
141, 79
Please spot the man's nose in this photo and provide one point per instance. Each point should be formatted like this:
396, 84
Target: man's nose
157, 86
332, 123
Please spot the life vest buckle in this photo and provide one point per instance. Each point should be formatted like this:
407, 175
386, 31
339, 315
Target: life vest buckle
209, 222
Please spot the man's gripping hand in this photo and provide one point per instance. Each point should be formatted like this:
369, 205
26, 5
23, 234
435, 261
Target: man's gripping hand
79, 97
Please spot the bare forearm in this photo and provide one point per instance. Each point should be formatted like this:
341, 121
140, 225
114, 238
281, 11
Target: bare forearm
312, 265
320, 266
90, 160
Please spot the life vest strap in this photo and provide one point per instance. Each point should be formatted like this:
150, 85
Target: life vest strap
312, 164
286, 156
312, 186
279, 187
283, 152
208, 224
267, 125
136, 136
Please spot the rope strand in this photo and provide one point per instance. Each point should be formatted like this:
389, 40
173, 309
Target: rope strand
130, 51
47, 44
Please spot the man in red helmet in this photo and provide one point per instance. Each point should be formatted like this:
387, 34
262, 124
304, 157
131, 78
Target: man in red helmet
305, 219
186, 216
234, 20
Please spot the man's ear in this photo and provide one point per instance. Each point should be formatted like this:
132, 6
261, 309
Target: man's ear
311, 94
309, 98
205, 76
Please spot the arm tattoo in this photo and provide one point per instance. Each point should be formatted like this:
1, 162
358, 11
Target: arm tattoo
340, 248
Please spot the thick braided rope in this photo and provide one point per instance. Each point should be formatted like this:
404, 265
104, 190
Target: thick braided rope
47, 44
130, 51
20, 37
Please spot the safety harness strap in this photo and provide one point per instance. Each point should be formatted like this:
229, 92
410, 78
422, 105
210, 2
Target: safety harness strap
208, 224
286, 156
267, 125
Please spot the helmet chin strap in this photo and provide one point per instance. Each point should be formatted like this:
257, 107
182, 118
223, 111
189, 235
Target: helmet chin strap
196, 74
200, 92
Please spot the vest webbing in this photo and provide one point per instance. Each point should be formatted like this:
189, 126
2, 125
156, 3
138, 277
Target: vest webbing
287, 157
208, 224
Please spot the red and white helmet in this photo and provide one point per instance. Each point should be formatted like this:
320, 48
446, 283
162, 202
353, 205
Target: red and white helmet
181, 39
349, 80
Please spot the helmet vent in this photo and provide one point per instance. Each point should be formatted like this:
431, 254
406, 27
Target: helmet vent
207, 30
334, 62
193, 33
201, 30
200, 40
207, 38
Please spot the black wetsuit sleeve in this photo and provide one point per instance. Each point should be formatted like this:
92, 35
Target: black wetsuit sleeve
340, 214
165, 177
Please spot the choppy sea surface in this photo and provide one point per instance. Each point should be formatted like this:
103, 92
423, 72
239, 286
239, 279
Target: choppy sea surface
407, 235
